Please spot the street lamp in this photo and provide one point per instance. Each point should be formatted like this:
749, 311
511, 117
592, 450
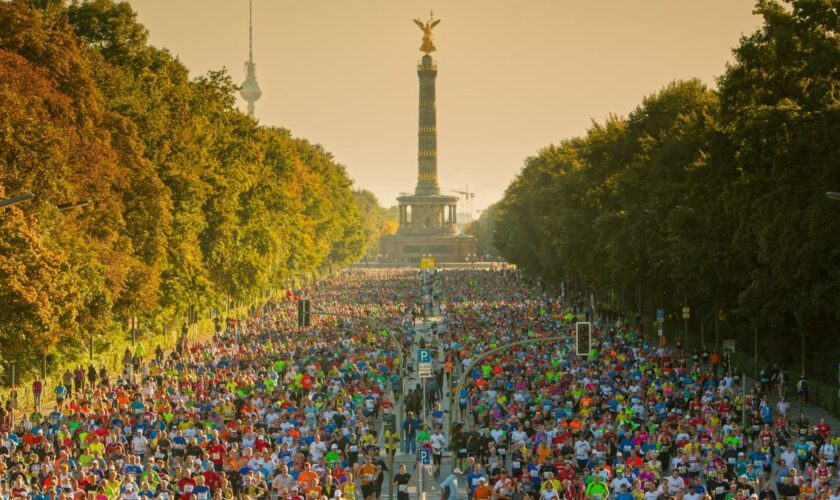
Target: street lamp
833, 195
70, 205
133, 324
15, 200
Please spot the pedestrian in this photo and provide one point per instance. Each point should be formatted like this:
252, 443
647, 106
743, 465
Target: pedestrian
79, 378
409, 428
401, 480
449, 487
60, 394
802, 390
37, 388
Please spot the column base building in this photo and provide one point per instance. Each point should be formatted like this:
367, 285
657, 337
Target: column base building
428, 227
428, 219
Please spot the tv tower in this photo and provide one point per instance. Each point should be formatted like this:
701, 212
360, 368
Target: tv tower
250, 90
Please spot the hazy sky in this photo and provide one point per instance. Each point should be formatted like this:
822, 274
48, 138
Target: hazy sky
513, 76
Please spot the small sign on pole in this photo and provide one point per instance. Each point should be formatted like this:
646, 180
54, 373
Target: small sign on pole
425, 456
729, 345
686, 312
424, 355
424, 363
660, 315
427, 263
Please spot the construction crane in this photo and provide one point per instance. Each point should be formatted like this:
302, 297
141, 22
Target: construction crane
467, 196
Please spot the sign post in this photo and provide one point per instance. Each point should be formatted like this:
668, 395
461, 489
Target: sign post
425, 459
424, 370
729, 346
686, 313
424, 363
660, 320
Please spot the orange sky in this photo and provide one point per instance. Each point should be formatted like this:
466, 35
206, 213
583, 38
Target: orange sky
513, 76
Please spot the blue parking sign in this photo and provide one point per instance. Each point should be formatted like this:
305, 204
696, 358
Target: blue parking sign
424, 356
425, 456
660, 315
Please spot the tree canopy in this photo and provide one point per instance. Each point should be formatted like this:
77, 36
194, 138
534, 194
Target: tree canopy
712, 198
193, 202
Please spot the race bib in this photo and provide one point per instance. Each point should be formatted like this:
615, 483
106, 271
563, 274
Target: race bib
403, 488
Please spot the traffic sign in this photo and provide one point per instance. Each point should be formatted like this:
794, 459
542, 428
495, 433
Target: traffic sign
424, 355
686, 312
729, 345
424, 370
660, 315
425, 456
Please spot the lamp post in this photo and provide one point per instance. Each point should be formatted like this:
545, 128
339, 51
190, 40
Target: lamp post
16, 200
133, 325
70, 205
484, 356
833, 195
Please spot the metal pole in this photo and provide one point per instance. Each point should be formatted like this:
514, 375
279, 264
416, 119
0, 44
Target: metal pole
422, 381
44, 368
14, 200
390, 466
717, 314
802, 338
91, 348
743, 400
14, 392
421, 494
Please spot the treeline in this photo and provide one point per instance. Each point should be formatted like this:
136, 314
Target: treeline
483, 229
711, 198
192, 202
377, 221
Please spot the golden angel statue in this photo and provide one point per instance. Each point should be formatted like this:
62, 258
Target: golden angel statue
427, 27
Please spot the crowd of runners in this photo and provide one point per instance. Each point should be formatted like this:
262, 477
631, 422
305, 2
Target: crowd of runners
627, 420
266, 409
263, 410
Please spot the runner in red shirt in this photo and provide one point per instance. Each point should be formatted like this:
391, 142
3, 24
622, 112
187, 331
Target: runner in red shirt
186, 485
217, 455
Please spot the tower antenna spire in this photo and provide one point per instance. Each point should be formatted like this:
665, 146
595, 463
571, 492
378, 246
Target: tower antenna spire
250, 89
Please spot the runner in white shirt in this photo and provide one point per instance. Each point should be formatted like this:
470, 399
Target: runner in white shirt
438, 441
676, 484
582, 449
828, 452
618, 480
549, 493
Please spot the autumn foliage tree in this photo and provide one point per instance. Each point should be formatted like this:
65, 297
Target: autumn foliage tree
193, 203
